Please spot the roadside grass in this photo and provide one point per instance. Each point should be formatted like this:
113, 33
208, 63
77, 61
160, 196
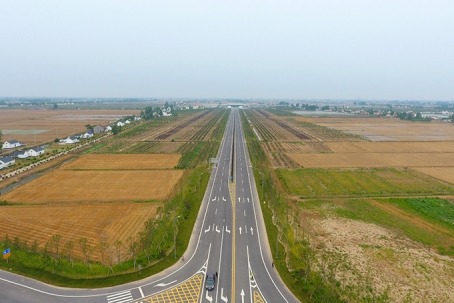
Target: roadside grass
92, 149
311, 183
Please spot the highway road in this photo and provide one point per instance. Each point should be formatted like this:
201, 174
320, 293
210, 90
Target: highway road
229, 238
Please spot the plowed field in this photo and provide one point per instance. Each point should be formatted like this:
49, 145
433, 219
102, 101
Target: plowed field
391, 147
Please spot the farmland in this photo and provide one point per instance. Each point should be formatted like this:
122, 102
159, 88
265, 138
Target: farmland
363, 209
114, 162
41, 126
112, 222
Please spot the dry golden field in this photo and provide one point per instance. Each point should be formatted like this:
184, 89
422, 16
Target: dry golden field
97, 222
119, 161
388, 129
40, 126
341, 160
68, 186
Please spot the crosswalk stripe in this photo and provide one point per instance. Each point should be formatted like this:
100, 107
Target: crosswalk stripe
121, 297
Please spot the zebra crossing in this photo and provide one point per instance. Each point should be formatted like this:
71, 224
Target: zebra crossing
121, 297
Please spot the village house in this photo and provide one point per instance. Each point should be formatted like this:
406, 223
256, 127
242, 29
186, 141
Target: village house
69, 140
36, 151
6, 161
98, 129
12, 144
88, 134
21, 154
108, 128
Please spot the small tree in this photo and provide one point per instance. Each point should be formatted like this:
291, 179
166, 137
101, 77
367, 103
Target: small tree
69, 247
55, 243
84, 247
133, 248
103, 249
118, 246
55, 106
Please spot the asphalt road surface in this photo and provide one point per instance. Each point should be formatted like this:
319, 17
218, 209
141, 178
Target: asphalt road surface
229, 238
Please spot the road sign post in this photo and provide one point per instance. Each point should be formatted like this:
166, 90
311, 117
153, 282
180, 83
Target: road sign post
6, 254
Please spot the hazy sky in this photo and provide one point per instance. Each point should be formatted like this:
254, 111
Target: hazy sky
339, 49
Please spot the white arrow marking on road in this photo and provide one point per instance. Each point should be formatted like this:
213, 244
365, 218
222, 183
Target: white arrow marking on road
227, 229
239, 199
252, 231
224, 199
207, 230
222, 296
240, 230
217, 229
165, 284
247, 200
242, 296
208, 297
213, 199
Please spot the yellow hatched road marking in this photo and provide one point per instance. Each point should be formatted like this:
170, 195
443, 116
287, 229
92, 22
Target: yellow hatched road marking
187, 291
258, 297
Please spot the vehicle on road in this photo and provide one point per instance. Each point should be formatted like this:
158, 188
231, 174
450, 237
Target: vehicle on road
210, 281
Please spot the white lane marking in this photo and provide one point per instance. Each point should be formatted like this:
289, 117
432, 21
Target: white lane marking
141, 292
216, 212
240, 229
121, 297
247, 200
208, 297
245, 213
242, 182
243, 189
207, 230
245, 228
252, 231
222, 296
219, 188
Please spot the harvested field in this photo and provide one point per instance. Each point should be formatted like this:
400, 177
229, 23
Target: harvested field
111, 222
112, 162
40, 126
441, 173
68, 186
345, 160
392, 147
388, 129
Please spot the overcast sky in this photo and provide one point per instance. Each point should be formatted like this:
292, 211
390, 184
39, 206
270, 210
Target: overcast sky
342, 49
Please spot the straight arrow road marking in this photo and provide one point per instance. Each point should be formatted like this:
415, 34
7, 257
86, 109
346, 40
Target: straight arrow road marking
242, 296
252, 231
247, 200
240, 230
165, 284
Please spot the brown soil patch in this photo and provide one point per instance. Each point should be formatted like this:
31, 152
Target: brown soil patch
97, 222
391, 147
120, 161
377, 257
96, 186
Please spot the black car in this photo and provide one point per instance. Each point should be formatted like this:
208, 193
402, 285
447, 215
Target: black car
209, 282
